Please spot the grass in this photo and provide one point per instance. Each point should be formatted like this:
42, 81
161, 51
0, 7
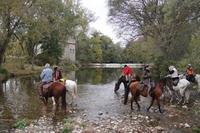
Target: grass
196, 130
18, 69
67, 125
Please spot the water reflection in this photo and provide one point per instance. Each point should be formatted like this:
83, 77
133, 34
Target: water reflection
97, 76
19, 98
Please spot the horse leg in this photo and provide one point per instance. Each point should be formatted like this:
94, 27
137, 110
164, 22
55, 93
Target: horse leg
136, 100
132, 98
53, 100
126, 94
56, 102
64, 99
152, 100
45, 101
187, 96
158, 102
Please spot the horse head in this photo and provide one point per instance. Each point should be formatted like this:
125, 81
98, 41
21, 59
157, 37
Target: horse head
122, 79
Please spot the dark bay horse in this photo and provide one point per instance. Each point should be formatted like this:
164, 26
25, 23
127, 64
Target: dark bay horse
53, 89
158, 91
136, 90
122, 79
155, 92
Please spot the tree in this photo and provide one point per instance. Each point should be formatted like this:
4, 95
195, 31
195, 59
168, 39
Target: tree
11, 13
98, 48
169, 23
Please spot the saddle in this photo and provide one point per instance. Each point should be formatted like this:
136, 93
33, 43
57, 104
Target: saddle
46, 86
175, 82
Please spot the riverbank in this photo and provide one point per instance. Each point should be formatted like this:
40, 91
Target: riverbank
25, 70
137, 122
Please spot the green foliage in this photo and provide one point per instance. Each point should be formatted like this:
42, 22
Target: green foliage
99, 48
67, 125
141, 51
4, 75
170, 23
67, 66
40, 24
193, 54
20, 124
196, 130
160, 67
66, 130
3, 71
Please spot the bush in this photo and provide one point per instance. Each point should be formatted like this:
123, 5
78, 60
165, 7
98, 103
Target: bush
196, 130
160, 67
67, 65
3, 71
20, 124
67, 126
4, 75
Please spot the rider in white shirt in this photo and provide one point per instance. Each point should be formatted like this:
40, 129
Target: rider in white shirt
174, 74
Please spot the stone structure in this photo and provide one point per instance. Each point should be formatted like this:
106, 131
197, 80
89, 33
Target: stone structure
70, 50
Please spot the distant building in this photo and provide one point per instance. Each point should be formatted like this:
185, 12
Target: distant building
70, 50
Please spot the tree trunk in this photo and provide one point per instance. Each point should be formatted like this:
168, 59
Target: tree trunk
32, 62
2, 51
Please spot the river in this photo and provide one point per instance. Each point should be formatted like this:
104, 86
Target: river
96, 100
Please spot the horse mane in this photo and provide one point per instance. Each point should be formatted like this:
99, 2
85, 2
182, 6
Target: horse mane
137, 78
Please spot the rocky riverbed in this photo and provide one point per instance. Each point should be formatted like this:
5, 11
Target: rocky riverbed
171, 121
98, 110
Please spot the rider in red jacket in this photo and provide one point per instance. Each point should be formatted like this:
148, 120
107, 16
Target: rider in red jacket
128, 72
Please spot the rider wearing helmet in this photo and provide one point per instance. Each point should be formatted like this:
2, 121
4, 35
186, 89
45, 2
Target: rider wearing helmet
174, 75
190, 76
147, 77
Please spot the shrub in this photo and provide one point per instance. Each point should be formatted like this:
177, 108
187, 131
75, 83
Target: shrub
196, 130
20, 124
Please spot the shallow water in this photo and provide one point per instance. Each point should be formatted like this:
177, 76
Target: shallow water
96, 100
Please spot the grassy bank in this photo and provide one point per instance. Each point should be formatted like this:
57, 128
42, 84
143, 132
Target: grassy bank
20, 71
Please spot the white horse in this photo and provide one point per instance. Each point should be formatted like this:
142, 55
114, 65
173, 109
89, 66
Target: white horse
71, 93
181, 91
197, 80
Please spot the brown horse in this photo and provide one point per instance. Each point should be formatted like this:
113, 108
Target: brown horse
136, 91
53, 89
158, 90
155, 92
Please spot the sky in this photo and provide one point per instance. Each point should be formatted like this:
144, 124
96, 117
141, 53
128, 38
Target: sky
100, 10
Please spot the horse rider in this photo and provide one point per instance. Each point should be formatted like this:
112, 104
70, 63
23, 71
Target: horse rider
173, 73
128, 73
57, 74
46, 77
147, 77
190, 75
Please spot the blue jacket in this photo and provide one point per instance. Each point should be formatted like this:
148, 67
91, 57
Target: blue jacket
46, 75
